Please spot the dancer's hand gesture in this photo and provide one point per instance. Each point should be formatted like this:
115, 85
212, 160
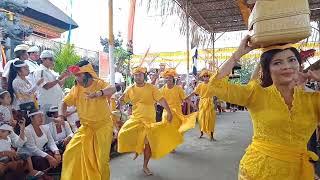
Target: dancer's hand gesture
302, 78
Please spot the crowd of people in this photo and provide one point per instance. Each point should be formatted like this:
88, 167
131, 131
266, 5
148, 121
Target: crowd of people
46, 129
32, 138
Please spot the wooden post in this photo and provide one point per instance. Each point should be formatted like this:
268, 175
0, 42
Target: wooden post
111, 43
188, 41
319, 34
213, 52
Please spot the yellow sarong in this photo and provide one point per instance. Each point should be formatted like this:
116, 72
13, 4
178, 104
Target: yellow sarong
181, 122
142, 127
207, 115
175, 97
87, 155
287, 154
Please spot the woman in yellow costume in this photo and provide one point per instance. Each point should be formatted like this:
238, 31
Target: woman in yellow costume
87, 155
175, 96
141, 133
207, 112
284, 115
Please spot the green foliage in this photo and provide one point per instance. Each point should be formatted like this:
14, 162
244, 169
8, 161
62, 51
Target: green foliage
121, 55
66, 56
245, 72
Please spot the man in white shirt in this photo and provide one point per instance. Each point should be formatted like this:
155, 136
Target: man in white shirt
33, 53
50, 93
20, 53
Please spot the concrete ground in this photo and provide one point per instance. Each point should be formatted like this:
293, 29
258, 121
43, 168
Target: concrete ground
196, 159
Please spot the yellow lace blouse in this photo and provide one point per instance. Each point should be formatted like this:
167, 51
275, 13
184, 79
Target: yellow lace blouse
280, 135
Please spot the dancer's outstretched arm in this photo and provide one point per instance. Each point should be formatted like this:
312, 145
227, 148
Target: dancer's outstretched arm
109, 91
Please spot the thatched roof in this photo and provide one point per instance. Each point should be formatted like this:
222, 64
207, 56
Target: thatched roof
225, 15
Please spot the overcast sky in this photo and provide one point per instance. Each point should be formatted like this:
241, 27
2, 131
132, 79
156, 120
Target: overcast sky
92, 18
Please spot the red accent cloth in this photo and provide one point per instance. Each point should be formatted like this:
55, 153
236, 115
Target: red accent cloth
307, 54
74, 69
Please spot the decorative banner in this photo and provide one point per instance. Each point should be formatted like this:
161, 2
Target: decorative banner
104, 68
221, 54
132, 12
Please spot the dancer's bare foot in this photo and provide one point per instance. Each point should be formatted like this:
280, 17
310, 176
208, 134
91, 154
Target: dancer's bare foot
212, 139
201, 135
147, 171
135, 156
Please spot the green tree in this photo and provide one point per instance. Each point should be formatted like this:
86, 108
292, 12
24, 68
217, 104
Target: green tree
247, 67
66, 56
121, 57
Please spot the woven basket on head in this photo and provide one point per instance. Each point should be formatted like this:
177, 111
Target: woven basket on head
274, 22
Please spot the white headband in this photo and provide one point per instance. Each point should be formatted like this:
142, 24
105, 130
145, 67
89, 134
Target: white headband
20, 65
3, 92
35, 113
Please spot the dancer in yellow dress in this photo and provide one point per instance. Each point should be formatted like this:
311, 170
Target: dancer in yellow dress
141, 133
284, 116
87, 154
175, 96
207, 112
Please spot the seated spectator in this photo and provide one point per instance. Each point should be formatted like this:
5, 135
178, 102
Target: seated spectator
73, 118
40, 144
6, 117
60, 131
10, 160
72, 115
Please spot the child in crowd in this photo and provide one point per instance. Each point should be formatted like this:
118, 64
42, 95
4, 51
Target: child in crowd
9, 158
6, 117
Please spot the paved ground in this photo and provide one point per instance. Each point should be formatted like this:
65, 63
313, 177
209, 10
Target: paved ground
196, 159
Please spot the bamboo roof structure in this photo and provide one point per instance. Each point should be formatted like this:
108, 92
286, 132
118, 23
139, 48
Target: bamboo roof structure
227, 15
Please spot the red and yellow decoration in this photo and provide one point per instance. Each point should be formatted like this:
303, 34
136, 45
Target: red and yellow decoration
87, 68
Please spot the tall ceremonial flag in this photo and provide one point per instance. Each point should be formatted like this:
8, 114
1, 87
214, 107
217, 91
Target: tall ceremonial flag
132, 12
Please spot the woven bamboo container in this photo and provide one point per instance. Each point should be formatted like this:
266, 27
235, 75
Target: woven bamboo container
279, 21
